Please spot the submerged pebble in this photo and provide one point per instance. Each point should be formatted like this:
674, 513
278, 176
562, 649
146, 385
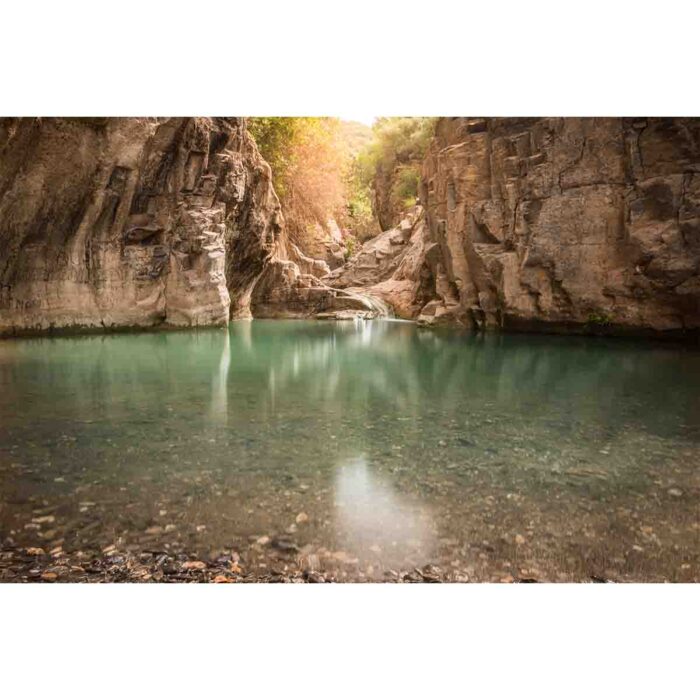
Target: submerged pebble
448, 451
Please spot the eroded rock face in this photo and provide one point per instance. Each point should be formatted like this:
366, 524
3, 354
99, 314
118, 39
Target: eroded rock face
564, 224
131, 222
540, 224
392, 266
284, 291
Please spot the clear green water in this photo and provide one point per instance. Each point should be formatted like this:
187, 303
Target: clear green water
489, 457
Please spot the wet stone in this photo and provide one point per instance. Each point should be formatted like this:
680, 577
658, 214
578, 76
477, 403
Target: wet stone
284, 545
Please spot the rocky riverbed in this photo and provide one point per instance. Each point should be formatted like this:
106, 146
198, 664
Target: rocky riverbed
352, 452
35, 565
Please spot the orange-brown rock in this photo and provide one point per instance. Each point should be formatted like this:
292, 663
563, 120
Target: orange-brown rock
392, 266
283, 291
131, 222
575, 224
565, 224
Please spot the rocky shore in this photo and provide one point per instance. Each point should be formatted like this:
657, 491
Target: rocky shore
279, 560
30, 565
34, 565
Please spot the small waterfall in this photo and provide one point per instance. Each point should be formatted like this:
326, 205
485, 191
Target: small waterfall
378, 307
370, 306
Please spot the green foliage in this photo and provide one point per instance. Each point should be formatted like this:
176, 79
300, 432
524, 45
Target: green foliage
273, 135
355, 135
404, 190
325, 168
397, 140
397, 147
402, 139
396, 151
360, 215
289, 144
309, 160
598, 319
350, 245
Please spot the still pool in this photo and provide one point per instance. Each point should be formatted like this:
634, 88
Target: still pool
360, 451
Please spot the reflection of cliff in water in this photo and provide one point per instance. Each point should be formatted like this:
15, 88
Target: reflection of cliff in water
402, 446
357, 374
219, 390
416, 371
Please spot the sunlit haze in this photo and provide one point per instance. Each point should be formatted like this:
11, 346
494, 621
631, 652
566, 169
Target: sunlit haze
364, 120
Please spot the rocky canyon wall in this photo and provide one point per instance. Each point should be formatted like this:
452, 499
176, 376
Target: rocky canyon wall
555, 224
393, 266
130, 222
565, 224
388, 210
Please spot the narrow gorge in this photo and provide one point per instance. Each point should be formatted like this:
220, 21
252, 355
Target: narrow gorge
564, 225
555, 224
344, 400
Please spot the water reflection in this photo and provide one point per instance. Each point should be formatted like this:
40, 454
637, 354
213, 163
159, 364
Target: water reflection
385, 435
607, 381
371, 518
219, 393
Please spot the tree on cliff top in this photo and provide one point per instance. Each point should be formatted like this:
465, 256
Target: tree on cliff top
324, 168
391, 163
310, 159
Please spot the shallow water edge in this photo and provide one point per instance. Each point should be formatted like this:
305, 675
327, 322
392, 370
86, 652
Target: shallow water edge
342, 451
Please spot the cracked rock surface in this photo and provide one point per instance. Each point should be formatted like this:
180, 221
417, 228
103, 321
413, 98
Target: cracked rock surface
565, 224
131, 222
541, 224
551, 224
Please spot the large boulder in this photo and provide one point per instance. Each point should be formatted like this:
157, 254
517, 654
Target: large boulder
284, 291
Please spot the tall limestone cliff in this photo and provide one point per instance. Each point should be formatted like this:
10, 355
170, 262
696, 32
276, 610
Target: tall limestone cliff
566, 224
556, 224
563, 224
131, 222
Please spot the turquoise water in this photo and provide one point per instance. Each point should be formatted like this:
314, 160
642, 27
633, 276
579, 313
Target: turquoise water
375, 447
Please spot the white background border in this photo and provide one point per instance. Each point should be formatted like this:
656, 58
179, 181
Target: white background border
358, 641
317, 57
